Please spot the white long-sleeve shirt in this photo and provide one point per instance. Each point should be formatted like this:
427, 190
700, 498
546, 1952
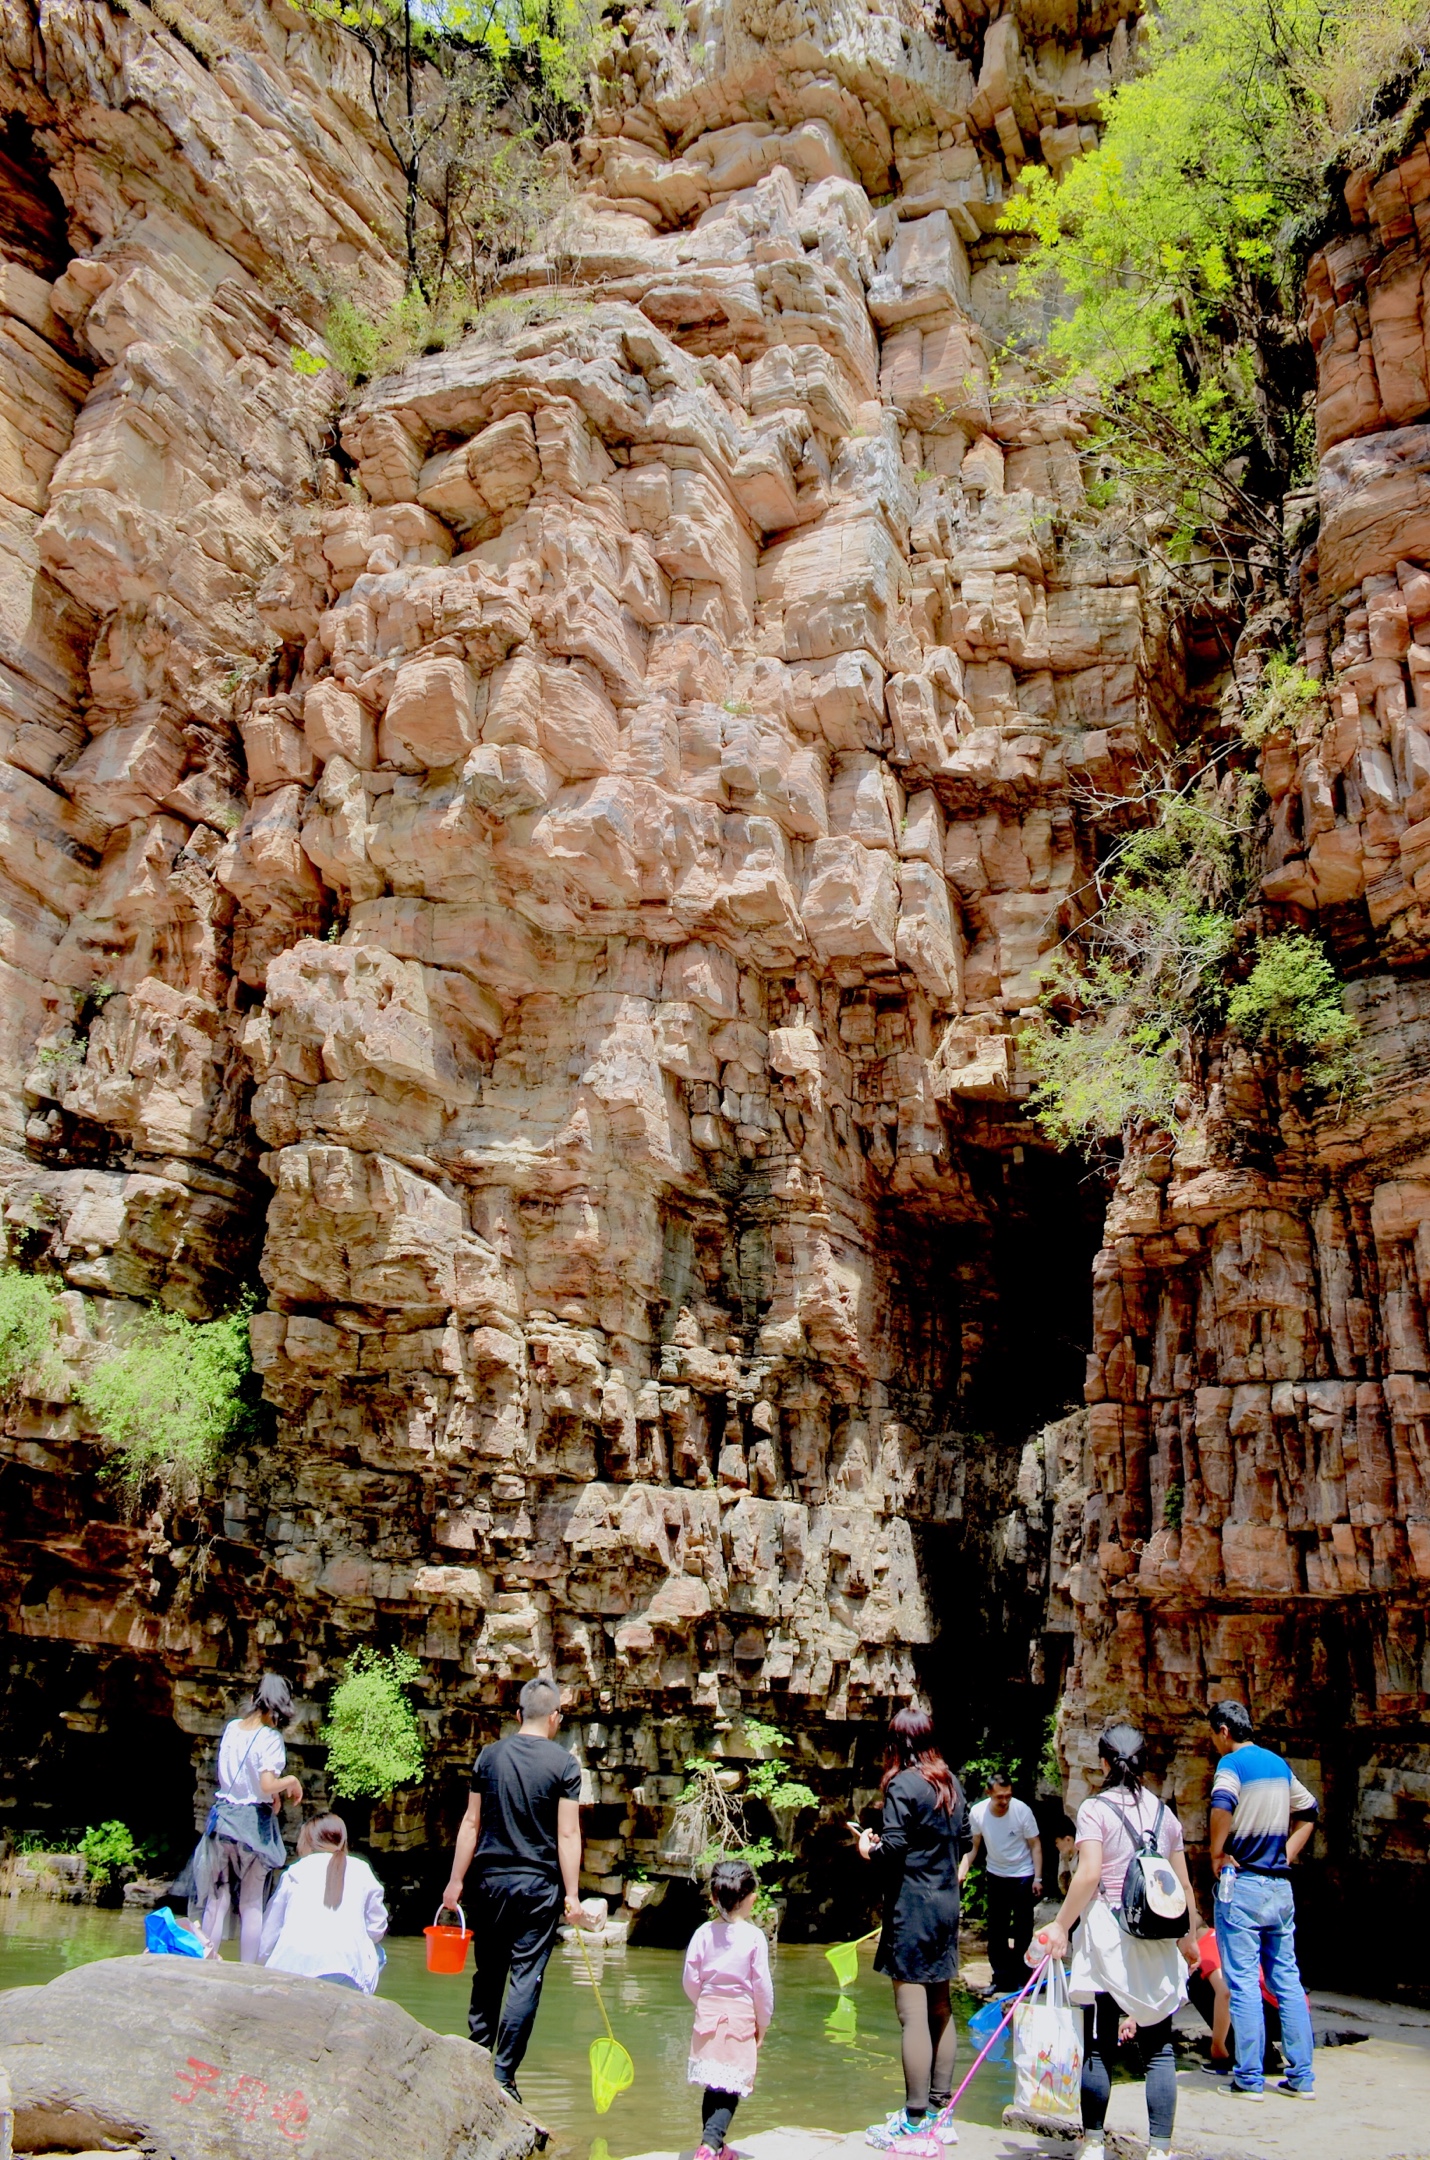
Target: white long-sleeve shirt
303, 1935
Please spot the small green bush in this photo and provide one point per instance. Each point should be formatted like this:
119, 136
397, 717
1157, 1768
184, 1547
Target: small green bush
1292, 1000
1285, 696
1148, 969
29, 1327
372, 1735
174, 1396
106, 1848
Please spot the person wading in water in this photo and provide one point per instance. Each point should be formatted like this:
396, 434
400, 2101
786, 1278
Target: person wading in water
523, 1827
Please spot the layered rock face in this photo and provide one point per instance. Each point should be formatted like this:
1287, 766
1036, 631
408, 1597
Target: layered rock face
545, 864
615, 831
1253, 1476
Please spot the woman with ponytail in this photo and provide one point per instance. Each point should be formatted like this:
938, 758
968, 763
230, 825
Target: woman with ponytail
242, 1844
1130, 1986
327, 1915
917, 1846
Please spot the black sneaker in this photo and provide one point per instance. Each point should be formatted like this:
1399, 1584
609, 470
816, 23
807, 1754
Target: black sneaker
504, 2085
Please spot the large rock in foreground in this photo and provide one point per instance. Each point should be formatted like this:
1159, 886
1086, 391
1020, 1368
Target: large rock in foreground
230, 2062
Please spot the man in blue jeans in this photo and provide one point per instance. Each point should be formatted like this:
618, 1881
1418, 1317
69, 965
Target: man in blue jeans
1261, 1817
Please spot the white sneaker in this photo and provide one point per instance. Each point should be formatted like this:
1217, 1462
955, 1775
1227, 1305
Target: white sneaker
1092, 2149
1159, 2152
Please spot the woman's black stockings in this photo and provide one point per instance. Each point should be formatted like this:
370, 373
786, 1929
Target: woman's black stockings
929, 2043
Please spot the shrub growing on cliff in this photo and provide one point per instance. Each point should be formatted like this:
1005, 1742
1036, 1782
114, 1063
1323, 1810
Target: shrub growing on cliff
373, 1739
1153, 966
29, 1326
1114, 1007
174, 1395
1285, 696
1291, 1001
712, 1818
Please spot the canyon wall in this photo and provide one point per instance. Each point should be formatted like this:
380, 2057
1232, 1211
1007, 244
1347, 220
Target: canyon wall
550, 872
1245, 1508
537, 866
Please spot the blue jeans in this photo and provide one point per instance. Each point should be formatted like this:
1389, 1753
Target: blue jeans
1256, 1928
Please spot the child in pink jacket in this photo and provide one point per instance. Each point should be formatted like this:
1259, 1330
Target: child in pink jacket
727, 1977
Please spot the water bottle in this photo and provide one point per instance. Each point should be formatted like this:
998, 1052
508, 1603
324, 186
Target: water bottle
1226, 1884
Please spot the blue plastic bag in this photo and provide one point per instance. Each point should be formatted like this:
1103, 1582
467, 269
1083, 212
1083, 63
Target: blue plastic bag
167, 1936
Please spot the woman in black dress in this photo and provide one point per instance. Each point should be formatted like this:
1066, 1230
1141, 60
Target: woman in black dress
918, 1846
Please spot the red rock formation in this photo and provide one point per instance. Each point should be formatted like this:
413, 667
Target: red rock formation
594, 825
1248, 1508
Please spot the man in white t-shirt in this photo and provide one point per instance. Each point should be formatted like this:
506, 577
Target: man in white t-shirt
1007, 1832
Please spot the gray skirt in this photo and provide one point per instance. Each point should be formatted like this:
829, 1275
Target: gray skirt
235, 1829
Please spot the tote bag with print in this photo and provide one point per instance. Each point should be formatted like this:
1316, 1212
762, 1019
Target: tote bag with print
1047, 2051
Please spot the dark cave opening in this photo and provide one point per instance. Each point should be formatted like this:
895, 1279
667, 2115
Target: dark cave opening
1046, 1233
112, 1753
991, 1324
34, 225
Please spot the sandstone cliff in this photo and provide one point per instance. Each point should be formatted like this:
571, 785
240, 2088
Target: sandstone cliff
608, 807
545, 858
1246, 1507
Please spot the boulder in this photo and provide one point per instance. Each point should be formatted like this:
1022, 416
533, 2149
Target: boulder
212, 2061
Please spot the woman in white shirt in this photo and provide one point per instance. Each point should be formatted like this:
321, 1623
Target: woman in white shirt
242, 1843
327, 1915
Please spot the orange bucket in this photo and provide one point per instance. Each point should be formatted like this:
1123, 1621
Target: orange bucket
447, 1946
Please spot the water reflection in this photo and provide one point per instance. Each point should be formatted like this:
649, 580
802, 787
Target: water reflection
831, 2060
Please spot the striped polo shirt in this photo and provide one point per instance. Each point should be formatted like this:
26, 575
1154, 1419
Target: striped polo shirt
1263, 1799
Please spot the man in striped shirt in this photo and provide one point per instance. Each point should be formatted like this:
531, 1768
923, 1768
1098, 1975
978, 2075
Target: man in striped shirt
1261, 1816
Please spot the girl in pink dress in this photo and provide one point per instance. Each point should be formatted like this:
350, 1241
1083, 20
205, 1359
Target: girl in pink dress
727, 1977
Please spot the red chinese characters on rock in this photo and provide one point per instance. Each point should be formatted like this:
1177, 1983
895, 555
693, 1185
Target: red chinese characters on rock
291, 2115
245, 2096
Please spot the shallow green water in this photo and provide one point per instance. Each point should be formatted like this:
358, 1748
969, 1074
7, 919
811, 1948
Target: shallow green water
839, 2079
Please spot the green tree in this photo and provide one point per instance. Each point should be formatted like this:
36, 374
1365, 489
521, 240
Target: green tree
1170, 253
466, 92
373, 1739
29, 1327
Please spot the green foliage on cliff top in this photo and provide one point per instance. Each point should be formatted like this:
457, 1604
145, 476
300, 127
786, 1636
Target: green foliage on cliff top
1174, 248
372, 1735
468, 95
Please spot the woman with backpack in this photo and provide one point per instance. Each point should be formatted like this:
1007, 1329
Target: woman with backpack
1131, 1900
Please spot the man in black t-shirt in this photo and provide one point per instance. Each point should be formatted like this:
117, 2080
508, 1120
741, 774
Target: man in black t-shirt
523, 1826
